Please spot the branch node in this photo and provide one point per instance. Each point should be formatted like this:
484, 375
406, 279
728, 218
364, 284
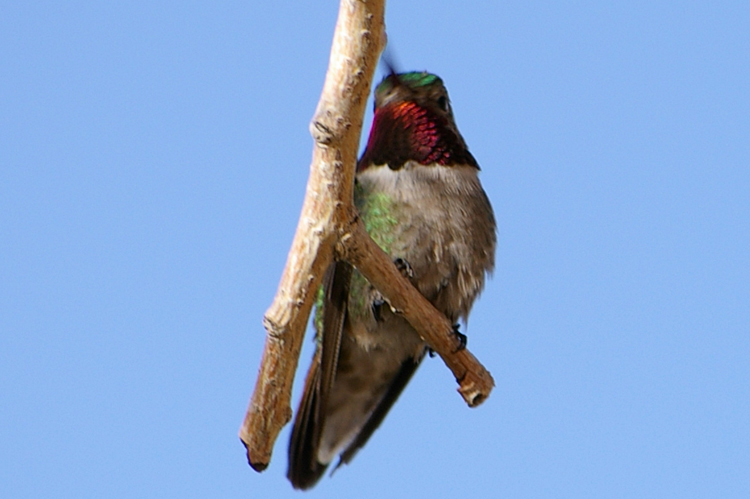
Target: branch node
271, 327
321, 134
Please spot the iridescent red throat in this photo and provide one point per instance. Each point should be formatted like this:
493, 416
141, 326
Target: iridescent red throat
406, 131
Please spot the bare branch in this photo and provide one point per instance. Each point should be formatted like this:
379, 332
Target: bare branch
358, 40
360, 250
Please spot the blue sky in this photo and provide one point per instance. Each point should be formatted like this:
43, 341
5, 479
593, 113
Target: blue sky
153, 160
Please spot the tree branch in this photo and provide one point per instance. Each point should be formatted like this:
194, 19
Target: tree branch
329, 228
357, 43
360, 250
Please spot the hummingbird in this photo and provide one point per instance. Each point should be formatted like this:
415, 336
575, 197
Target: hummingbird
418, 193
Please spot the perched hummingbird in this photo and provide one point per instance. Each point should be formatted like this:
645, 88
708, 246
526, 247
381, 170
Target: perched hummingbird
419, 195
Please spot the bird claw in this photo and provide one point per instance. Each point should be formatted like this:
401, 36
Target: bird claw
462, 339
378, 303
404, 267
377, 309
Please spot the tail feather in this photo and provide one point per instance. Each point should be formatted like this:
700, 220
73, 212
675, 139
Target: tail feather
304, 469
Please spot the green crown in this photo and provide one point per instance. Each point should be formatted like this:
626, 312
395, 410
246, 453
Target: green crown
414, 79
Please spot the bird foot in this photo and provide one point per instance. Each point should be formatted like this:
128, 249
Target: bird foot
462, 339
404, 267
377, 308
379, 302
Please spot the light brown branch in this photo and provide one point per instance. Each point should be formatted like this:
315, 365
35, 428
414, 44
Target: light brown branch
358, 40
329, 228
360, 250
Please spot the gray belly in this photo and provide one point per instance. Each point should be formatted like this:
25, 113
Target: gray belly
440, 221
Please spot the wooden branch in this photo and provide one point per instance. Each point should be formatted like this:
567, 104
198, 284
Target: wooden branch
336, 127
436, 330
329, 228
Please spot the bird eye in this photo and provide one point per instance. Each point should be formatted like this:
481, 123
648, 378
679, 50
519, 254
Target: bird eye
443, 103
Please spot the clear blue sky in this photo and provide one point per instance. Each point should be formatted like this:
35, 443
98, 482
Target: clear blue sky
153, 160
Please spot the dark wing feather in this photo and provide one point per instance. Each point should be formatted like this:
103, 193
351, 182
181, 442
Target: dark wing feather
304, 468
334, 314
